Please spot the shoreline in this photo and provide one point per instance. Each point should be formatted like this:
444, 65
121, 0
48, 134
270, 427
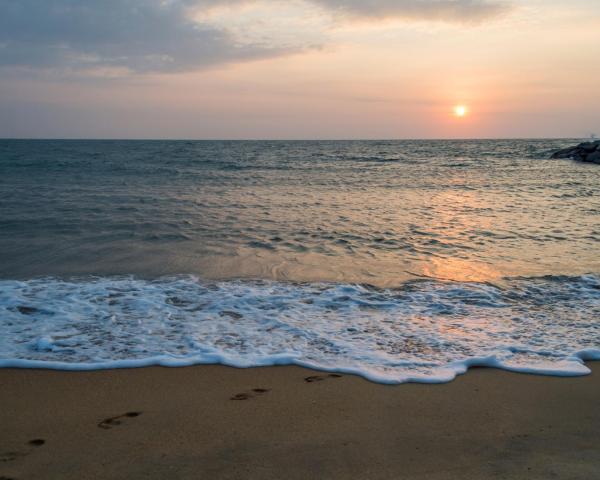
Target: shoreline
220, 422
586, 357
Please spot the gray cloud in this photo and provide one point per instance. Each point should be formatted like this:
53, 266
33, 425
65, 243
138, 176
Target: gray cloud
141, 35
464, 11
159, 35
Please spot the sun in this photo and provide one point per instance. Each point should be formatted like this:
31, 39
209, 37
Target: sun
461, 111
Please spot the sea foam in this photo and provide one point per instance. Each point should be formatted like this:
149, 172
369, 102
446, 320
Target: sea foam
424, 331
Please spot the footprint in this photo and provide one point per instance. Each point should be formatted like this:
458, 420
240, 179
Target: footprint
320, 378
248, 395
241, 396
10, 456
260, 391
108, 423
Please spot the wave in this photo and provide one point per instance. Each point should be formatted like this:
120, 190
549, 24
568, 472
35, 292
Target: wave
425, 331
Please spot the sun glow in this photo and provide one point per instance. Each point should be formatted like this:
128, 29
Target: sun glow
460, 111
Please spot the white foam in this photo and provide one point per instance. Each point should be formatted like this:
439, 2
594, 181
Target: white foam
423, 332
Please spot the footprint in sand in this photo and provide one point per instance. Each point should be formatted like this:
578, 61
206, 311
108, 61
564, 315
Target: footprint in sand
248, 395
320, 378
11, 456
108, 423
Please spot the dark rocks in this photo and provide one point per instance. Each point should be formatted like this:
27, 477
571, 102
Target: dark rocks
584, 152
594, 157
565, 153
589, 146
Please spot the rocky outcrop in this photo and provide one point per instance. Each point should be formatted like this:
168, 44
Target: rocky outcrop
584, 152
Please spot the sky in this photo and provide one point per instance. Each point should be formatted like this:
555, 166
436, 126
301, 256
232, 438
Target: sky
299, 69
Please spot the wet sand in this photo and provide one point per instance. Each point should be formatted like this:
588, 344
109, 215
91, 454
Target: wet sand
213, 422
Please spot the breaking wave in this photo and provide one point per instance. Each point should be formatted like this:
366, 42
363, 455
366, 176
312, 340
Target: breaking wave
424, 331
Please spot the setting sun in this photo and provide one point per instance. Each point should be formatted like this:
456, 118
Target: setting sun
460, 111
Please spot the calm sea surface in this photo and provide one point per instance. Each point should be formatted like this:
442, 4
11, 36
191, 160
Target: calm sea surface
397, 260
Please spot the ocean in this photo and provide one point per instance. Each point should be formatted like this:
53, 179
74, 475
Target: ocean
395, 260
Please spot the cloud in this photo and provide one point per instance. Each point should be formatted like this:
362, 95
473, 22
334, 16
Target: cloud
140, 35
166, 35
464, 11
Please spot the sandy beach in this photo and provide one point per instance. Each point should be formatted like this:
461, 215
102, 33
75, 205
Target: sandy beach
216, 422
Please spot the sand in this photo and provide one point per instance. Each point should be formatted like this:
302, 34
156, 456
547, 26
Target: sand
213, 422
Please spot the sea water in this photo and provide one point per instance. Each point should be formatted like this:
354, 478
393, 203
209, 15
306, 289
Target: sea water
395, 260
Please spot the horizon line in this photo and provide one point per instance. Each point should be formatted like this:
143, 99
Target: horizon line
265, 139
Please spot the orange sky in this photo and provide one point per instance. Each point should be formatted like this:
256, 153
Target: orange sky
529, 69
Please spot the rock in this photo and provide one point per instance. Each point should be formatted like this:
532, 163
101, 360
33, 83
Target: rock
584, 152
588, 146
594, 157
565, 153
